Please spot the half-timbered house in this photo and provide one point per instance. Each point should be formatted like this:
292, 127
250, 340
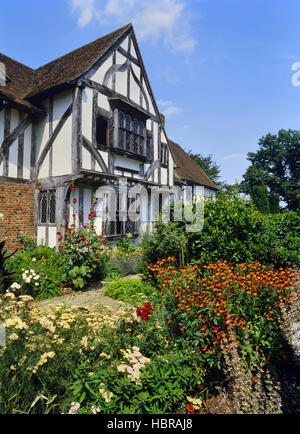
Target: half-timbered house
88, 118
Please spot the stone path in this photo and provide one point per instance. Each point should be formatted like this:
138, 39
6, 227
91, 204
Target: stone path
91, 299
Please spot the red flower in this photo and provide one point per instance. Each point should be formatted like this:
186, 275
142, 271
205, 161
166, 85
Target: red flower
96, 256
82, 238
190, 408
72, 188
74, 200
62, 248
103, 242
144, 312
88, 245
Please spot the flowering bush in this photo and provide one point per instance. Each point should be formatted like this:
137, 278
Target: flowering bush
70, 360
82, 250
37, 272
201, 307
42, 351
144, 312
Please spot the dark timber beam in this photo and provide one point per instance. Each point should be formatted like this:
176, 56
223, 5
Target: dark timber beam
11, 137
88, 145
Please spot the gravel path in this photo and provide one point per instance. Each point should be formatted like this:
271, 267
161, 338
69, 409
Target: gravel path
91, 298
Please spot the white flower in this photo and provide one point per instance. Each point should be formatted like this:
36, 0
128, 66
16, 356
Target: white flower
36, 277
33, 259
37, 284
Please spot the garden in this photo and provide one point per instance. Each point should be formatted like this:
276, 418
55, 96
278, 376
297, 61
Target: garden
209, 327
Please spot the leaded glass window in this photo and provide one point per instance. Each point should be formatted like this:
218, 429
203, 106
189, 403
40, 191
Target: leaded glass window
128, 132
48, 207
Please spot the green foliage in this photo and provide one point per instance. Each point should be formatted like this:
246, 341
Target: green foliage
42, 261
260, 198
129, 290
161, 388
4, 271
27, 241
167, 239
235, 231
277, 165
274, 203
83, 255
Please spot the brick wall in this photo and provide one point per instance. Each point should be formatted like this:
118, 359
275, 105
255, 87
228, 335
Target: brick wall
17, 208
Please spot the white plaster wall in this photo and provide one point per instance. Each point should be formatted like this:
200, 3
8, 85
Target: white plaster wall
87, 113
13, 150
127, 163
98, 76
103, 102
87, 202
171, 169
42, 136
132, 51
41, 235
164, 176
62, 153
27, 152
134, 90
124, 44
52, 236
104, 155
86, 159
61, 102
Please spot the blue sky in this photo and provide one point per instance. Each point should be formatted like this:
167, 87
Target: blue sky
220, 70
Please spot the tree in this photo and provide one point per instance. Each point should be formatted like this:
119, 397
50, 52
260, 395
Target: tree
276, 165
209, 166
260, 198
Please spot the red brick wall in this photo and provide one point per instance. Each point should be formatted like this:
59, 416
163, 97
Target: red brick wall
17, 207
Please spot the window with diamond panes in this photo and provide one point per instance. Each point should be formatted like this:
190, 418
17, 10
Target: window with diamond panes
48, 207
121, 129
131, 134
148, 146
128, 132
119, 226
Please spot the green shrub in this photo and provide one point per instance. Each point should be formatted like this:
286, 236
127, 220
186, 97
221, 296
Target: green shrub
167, 239
236, 232
129, 290
39, 272
4, 274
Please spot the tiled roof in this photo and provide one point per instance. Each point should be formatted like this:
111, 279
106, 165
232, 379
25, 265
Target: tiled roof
186, 168
25, 82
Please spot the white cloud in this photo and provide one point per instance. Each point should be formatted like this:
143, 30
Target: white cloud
86, 10
234, 156
168, 108
153, 20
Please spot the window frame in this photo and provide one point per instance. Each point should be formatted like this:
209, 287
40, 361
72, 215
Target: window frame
49, 194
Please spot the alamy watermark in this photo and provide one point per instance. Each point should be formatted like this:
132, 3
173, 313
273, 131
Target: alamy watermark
2, 335
296, 76
138, 203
